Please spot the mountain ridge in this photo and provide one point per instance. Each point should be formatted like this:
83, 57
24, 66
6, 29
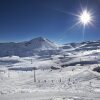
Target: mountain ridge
26, 48
43, 46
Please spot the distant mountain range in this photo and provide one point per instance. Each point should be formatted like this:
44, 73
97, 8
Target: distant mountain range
42, 46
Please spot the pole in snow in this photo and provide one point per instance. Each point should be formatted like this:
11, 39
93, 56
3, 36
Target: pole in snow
34, 74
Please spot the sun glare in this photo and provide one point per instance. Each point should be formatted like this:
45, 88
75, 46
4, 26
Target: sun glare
85, 17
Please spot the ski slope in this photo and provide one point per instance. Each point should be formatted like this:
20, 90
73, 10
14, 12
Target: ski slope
67, 75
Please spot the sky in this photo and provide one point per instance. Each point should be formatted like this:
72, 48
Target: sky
22, 20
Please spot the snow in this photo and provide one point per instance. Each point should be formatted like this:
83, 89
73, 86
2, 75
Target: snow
27, 48
74, 78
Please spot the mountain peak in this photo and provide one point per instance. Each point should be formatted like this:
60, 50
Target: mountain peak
39, 38
42, 43
28, 47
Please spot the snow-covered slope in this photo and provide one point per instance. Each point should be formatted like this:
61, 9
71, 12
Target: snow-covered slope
43, 46
27, 48
72, 74
88, 45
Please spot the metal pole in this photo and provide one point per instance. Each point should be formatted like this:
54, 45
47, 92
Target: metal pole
34, 76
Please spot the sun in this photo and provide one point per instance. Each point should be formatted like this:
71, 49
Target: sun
85, 17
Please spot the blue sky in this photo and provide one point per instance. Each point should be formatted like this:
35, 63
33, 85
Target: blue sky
26, 19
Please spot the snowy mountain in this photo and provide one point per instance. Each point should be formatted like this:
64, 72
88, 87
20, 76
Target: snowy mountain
43, 47
27, 48
72, 74
88, 45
